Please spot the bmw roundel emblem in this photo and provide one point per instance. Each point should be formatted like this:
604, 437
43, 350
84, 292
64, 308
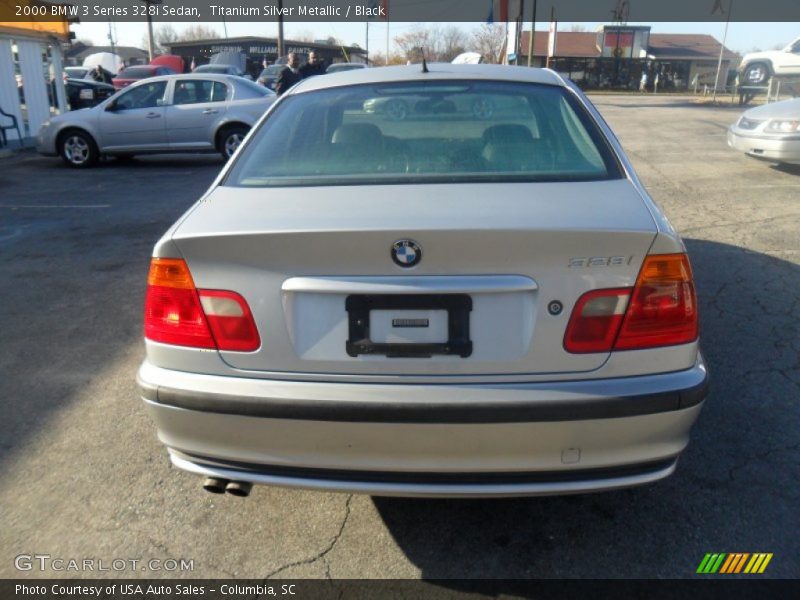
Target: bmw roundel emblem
406, 253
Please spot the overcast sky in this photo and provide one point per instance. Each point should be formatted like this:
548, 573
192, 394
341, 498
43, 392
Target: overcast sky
742, 37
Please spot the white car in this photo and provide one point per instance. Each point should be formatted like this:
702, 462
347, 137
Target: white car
451, 306
770, 132
757, 67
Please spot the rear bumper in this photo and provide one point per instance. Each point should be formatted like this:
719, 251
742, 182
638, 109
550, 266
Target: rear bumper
786, 150
427, 440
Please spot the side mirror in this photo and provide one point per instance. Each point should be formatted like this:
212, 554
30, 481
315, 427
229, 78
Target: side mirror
111, 106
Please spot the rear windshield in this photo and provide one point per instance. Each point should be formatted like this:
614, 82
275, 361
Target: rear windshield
437, 131
250, 89
136, 72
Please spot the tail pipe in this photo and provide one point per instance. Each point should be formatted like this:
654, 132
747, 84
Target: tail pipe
215, 485
239, 488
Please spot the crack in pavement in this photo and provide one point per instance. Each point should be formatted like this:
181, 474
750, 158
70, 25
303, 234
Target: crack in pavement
759, 457
322, 554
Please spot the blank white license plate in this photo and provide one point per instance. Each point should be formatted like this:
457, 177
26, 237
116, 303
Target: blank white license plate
427, 326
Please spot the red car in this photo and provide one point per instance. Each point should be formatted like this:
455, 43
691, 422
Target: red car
129, 75
172, 61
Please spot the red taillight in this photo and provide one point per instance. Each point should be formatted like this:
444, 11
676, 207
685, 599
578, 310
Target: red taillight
663, 308
177, 313
595, 321
661, 311
230, 320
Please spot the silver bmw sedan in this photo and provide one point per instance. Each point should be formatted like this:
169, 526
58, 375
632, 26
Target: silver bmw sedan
450, 304
172, 113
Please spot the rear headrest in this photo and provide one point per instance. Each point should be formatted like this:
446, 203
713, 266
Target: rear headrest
357, 133
513, 156
507, 134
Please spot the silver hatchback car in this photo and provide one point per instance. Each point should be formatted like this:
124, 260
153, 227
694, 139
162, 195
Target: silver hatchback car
172, 113
447, 305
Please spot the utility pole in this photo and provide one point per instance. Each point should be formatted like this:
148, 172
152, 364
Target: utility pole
520, 25
551, 40
533, 33
387, 33
151, 48
280, 28
111, 38
721, 50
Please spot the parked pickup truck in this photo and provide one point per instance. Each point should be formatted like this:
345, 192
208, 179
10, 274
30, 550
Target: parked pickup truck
757, 67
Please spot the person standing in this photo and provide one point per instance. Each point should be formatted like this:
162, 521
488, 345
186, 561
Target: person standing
313, 67
643, 82
99, 75
290, 75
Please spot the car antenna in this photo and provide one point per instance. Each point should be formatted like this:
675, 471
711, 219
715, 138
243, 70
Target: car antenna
424, 62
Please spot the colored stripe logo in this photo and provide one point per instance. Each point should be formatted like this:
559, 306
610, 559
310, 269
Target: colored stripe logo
734, 562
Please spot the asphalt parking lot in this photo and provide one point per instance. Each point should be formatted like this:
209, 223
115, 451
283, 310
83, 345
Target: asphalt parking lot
82, 474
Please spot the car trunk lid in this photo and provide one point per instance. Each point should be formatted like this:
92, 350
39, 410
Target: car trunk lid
497, 262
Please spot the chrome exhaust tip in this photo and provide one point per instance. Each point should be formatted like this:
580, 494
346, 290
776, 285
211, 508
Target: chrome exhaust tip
239, 488
214, 485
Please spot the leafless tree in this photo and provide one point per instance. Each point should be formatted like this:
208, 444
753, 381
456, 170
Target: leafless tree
305, 35
379, 60
197, 32
415, 41
452, 42
165, 35
489, 40
577, 27
438, 44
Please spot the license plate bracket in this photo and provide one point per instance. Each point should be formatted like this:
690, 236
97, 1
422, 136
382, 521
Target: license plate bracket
458, 307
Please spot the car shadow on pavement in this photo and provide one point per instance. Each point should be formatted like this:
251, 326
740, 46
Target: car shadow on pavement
736, 487
146, 161
789, 169
75, 247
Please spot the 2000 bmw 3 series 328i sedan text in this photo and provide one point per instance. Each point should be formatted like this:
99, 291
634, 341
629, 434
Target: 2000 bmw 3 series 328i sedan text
458, 303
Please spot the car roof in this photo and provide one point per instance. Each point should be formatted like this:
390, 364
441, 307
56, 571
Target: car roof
437, 71
222, 77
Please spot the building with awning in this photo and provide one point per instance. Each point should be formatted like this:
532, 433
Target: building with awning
616, 56
31, 66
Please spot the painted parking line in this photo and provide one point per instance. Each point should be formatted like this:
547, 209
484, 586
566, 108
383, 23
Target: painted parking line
16, 206
10, 235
